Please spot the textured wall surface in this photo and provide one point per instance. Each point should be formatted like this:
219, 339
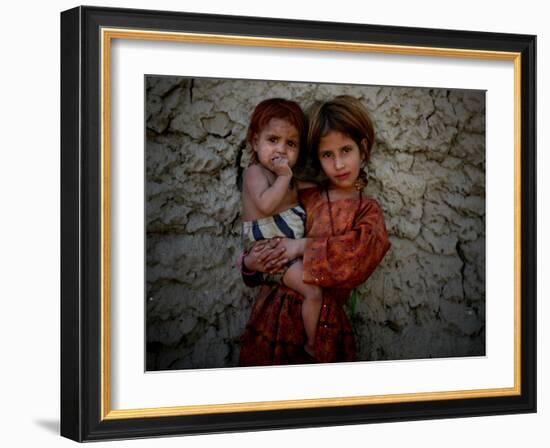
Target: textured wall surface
426, 299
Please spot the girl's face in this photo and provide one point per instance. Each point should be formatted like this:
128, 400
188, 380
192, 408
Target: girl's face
340, 159
278, 139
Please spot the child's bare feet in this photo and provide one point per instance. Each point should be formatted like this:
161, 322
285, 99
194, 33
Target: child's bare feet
310, 350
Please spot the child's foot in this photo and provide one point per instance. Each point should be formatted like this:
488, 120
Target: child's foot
310, 351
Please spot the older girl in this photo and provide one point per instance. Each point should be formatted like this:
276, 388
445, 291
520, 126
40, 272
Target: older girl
345, 241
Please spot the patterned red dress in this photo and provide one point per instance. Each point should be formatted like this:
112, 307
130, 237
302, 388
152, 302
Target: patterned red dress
346, 240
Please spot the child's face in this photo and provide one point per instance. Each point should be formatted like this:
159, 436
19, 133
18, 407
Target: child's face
278, 139
340, 159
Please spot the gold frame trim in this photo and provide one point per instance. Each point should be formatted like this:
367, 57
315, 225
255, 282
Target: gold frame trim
107, 35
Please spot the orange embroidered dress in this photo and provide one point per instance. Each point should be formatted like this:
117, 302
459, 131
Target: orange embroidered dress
346, 240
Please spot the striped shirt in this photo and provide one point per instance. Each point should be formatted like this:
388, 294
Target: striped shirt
289, 223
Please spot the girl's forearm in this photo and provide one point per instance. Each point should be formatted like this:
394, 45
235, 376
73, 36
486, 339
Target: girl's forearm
250, 277
270, 198
245, 265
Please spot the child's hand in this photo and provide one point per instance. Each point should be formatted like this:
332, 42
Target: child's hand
280, 167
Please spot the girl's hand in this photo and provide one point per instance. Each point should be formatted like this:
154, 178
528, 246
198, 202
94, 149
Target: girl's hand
293, 248
267, 256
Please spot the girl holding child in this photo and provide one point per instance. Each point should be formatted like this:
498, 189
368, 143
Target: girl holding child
335, 243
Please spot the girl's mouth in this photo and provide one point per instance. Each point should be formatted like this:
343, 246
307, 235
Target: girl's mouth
342, 176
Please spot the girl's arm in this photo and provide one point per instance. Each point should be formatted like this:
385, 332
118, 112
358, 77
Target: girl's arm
265, 198
348, 260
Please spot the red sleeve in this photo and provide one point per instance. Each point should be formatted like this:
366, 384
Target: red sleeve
347, 260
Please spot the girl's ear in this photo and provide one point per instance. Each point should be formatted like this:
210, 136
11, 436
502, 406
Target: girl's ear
364, 149
254, 142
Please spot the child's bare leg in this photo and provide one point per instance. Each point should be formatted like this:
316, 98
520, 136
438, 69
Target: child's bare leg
311, 306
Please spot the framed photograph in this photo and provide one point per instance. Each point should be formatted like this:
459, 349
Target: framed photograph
387, 173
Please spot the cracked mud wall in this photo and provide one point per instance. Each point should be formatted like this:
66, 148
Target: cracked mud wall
426, 299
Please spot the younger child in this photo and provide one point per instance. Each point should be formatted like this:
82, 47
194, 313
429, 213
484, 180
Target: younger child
270, 197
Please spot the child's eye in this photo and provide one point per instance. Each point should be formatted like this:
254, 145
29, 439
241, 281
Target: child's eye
326, 155
292, 144
272, 139
347, 149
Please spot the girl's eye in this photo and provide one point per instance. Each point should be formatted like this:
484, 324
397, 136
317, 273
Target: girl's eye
347, 149
326, 155
292, 144
272, 139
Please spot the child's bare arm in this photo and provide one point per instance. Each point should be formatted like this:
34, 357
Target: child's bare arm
265, 198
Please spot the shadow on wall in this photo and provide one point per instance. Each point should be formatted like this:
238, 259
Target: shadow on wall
426, 299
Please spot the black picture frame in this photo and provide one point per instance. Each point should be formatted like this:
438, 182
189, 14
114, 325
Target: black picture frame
83, 410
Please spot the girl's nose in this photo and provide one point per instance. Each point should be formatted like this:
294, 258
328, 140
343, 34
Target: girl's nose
338, 163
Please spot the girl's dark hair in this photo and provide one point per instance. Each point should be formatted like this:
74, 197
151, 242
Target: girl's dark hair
344, 114
285, 110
